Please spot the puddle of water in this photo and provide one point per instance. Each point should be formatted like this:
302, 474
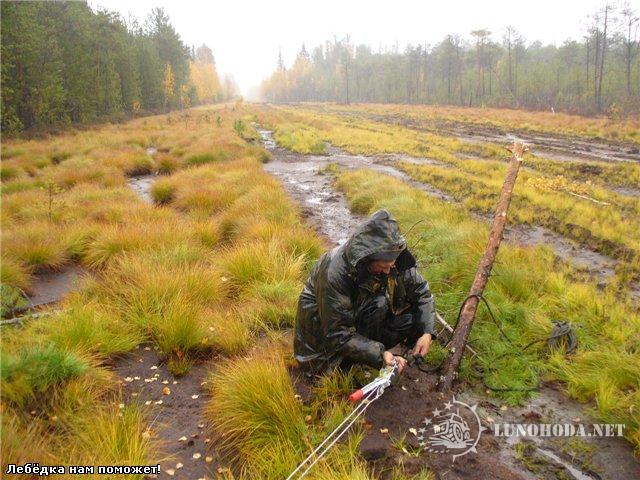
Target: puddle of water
267, 138
565, 249
402, 157
626, 191
52, 286
327, 210
142, 186
612, 458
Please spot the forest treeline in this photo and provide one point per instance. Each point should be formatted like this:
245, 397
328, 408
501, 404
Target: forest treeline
598, 74
64, 63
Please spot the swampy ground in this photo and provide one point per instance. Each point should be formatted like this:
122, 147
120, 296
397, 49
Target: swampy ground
169, 253
309, 181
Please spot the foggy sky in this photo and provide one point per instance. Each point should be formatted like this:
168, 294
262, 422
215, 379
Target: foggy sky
245, 35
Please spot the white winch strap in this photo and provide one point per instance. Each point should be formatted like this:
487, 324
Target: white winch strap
338, 432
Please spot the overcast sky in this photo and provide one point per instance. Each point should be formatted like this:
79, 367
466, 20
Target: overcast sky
245, 35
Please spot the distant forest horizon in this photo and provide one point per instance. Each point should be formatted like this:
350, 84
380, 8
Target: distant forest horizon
599, 74
66, 64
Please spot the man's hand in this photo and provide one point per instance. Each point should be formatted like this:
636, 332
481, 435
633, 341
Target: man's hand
389, 359
422, 345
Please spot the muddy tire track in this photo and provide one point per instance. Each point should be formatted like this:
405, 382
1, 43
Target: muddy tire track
312, 190
546, 145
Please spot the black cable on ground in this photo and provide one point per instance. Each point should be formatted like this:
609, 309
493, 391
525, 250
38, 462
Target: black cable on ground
562, 334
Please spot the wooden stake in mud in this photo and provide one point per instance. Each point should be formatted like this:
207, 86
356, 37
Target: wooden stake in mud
461, 333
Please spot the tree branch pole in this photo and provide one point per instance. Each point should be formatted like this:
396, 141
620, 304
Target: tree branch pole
461, 333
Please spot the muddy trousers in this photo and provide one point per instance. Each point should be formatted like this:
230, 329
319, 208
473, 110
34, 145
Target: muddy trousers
374, 320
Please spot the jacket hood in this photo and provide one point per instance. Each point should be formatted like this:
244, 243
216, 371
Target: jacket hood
380, 233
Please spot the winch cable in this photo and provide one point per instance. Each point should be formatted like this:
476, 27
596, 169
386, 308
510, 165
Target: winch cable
561, 333
383, 381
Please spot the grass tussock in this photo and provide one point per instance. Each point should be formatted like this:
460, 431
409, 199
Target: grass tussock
262, 425
265, 262
166, 301
37, 245
32, 370
88, 327
298, 138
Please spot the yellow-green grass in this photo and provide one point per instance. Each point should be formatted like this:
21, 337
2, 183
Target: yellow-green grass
299, 139
60, 407
157, 273
360, 135
527, 290
108, 436
609, 229
511, 120
74, 185
266, 431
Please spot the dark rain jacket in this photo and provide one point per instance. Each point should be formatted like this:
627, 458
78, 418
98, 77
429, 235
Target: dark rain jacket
325, 332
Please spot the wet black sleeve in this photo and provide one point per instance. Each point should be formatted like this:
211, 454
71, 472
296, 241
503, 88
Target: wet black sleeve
422, 302
338, 325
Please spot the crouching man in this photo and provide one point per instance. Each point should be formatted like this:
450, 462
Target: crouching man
361, 299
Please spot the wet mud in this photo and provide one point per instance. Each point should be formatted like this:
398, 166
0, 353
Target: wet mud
175, 408
142, 186
50, 287
626, 191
